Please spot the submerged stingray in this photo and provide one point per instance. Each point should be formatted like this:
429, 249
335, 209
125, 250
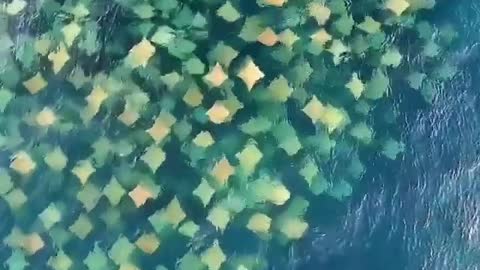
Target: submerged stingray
326, 246
468, 56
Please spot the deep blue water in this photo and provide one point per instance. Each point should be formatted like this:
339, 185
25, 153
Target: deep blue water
423, 211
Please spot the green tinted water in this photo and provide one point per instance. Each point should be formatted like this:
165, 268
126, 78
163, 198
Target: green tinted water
148, 135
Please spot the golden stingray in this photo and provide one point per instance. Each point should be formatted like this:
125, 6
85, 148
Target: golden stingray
153, 157
15, 198
222, 171
275, 3
174, 212
50, 216
83, 170
42, 45
320, 12
128, 116
250, 73
113, 191
22, 163
218, 113
96, 97
268, 37
193, 97
33, 243
140, 53
46, 117
70, 33
321, 37
89, 196
279, 194
148, 243
314, 109
293, 228
213, 257
35, 84
249, 157
259, 223
338, 49
216, 77
81, 227
204, 192
397, 6
140, 195
288, 37
203, 139
280, 89
59, 58
189, 229
60, 261
333, 118
159, 130
355, 86
14, 7
219, 217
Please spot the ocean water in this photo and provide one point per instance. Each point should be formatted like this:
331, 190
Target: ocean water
419, 212
423, 211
